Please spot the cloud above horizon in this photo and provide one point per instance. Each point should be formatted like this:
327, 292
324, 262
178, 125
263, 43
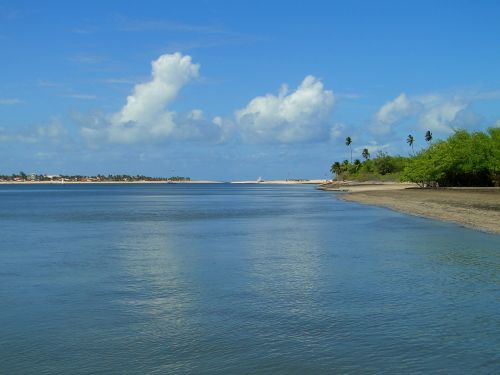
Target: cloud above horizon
434, 112
290, 117
53, 132
146, 117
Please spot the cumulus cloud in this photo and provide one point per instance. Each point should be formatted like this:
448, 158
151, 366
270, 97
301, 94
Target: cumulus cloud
300, 115
145, 114
441, 117
434, 112
146, 117
394, 111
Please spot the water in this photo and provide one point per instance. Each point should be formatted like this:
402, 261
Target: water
216, 279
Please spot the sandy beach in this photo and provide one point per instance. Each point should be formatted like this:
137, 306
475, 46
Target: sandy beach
477, 208
281, 182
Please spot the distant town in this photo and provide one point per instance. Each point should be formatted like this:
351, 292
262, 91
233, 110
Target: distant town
34, 177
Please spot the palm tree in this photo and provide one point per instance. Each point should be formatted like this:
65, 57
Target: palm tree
428, 136
348, 142
410, 140
336, 168
365, 154
345, 165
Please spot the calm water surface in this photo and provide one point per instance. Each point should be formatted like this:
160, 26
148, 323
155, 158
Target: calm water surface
136, 279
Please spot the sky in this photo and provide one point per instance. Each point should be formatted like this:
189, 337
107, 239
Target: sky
236, 90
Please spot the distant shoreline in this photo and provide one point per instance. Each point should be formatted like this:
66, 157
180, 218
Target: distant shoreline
476, 208
270, 182
102, 182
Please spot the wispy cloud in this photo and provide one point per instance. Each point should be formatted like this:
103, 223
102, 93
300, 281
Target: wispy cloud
53, 132
214, 41
198, 36
119, 81
48, 83
348, 96
485, 95
80, 96
10, 101
147, 25
85, 30
87, 59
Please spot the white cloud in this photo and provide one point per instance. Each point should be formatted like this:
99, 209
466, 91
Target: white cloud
392, 112
433, 112
169, 74
195, 114
301, 115
441, 117
146, 117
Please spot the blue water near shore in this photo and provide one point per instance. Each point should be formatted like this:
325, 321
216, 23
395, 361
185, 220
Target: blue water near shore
156, 279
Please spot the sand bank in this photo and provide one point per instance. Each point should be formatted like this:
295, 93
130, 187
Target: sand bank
282, 182
477, 208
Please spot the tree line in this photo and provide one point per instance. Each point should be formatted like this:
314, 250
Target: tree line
464, 159
21, 176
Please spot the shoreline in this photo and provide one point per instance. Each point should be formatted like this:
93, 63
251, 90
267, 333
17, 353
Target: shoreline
270, 182
475, 208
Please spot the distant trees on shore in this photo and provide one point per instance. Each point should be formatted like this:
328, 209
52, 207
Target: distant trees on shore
382, 167
21, 176
464, 159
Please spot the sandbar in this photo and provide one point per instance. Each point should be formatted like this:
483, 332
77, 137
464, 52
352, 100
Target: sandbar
477, 208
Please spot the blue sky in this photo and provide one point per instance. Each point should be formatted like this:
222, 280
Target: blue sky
236, 90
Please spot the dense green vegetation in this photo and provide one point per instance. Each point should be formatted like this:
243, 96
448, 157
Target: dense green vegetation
383, 167
464, 159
